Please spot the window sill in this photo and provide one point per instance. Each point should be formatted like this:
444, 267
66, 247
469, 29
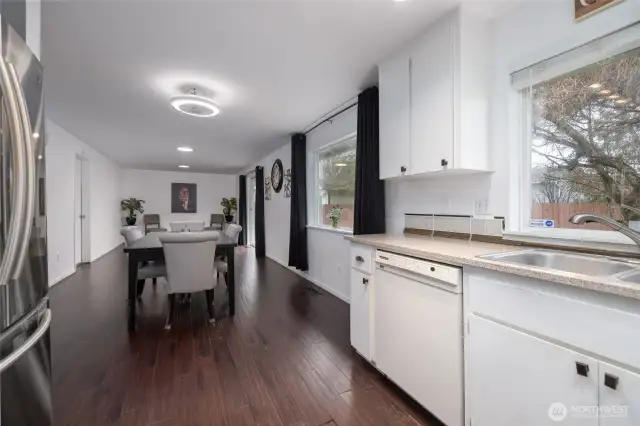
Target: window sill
342, 231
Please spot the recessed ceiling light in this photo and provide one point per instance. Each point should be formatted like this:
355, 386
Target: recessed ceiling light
605, 92
340, 165
622, 101
184, 149
36, 135
194, 105
596, 86
182, 166
614, 96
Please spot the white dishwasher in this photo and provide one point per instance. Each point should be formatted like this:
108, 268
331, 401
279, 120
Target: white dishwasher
418, 333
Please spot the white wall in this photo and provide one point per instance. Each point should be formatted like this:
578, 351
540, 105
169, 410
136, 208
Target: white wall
33, 26
329, 251
277, 211
154, 187
104, 202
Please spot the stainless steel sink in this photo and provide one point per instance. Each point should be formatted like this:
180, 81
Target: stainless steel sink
568, 262
630, 277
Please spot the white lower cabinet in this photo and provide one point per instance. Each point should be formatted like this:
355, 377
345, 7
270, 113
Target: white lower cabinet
360, 313
517, 379
619, 396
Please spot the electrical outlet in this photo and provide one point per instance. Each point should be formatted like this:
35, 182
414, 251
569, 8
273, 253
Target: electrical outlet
481, 206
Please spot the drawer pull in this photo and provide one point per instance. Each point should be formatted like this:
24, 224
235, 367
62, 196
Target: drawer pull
582, 369
365, 281
611, 381
384, 258
359, 259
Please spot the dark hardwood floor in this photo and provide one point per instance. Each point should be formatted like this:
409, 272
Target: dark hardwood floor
284, 359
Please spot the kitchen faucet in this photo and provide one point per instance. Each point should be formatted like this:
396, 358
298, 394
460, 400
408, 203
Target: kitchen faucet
580, 218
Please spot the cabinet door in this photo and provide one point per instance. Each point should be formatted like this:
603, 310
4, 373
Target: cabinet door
619, 396
517, 379
394, 115
432, 100
360, 313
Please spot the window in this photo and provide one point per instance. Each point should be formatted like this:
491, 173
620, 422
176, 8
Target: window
336, 182
583, 135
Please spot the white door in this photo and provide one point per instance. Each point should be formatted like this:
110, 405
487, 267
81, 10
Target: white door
251, 209
394, 116
360, 313
619, 396
77, 212
418, 342
517, 379
432, 106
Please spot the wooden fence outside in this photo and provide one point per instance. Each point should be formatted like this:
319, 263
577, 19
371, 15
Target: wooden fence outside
560, 213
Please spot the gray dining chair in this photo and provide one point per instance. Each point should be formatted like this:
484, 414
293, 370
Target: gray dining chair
216, 223
146, 270
189, 267
233, 232
152, 223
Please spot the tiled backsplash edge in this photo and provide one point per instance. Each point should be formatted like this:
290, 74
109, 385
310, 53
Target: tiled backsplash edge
463, 225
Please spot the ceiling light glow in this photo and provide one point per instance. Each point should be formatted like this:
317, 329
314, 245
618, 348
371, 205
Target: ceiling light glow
182, 166
184, 149
196, 106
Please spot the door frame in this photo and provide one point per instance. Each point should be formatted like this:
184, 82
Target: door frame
251, 208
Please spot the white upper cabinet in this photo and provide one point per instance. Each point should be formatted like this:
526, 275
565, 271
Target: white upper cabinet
434, 100
394, 107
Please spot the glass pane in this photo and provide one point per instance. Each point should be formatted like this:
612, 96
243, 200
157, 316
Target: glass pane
337, 178
585, 150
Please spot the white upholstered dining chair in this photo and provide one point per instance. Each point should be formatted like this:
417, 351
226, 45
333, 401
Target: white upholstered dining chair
190, 268
233, 232
146, 270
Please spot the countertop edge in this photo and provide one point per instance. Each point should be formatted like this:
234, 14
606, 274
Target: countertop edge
617, 288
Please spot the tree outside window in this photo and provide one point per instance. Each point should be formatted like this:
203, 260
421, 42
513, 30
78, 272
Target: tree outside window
586, 142
336, 181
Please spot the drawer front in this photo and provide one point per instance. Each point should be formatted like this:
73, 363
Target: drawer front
589, 327
362, 258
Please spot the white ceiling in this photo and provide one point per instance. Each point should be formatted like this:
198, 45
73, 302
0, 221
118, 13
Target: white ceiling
273, 67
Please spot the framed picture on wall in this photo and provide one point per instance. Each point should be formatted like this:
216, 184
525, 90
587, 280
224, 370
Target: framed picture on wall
184, 198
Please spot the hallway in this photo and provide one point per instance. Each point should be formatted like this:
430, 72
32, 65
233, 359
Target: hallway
284, 359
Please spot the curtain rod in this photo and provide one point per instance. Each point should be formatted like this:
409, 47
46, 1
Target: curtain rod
332, 117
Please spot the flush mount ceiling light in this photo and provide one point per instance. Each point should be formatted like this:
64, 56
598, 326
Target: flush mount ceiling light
182, 166
184, 149
195, 105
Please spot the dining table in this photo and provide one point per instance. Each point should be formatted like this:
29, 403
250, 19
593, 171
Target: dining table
149, 249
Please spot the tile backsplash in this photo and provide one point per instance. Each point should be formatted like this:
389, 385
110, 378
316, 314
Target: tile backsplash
455, 223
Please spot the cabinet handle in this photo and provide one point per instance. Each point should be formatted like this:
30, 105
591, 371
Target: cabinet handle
359, 259
403, 169
365, 281
582, 369
611, 381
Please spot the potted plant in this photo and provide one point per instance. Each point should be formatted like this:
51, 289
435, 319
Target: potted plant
132, 205
229, 207
334, 216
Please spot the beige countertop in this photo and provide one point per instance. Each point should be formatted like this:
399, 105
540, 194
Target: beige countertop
464, 253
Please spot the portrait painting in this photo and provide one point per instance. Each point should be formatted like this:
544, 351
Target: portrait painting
184, 198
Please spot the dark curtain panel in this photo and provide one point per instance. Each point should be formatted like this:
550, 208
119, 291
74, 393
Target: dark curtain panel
369, 203
260, 235
298, 256
242, 210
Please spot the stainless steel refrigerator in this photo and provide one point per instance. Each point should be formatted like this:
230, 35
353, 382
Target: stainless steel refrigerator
25, 361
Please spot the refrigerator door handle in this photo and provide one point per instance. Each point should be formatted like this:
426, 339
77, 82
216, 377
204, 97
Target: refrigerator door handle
9, 360
30, 163
16, 222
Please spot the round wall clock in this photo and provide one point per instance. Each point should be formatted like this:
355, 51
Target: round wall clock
277, 175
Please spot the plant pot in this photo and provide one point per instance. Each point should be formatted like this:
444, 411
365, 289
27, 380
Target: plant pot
130, 221
228, 218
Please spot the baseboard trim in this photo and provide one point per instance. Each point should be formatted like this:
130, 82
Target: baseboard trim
309, 278
62, 277
75, 268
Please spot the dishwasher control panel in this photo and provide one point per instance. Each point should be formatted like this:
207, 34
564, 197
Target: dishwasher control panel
421, 269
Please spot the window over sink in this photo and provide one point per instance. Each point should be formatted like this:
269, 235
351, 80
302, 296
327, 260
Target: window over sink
581, 135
